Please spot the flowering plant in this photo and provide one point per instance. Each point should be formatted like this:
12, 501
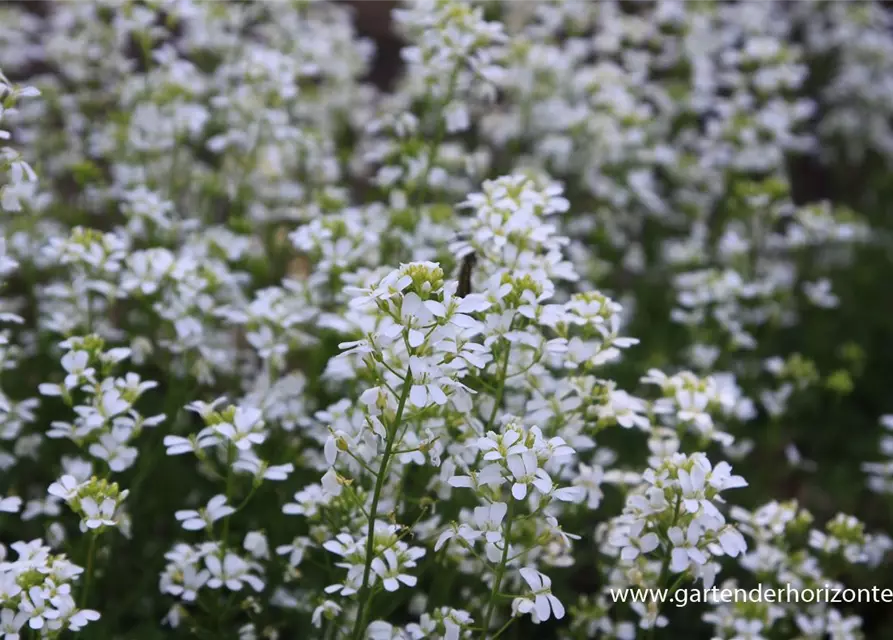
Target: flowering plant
286, 353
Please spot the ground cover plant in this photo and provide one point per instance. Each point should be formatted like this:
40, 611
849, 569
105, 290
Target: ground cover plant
575, 297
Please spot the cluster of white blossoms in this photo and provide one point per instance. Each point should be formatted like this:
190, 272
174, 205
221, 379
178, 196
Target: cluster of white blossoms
289, 349
37, 594
779, 559
21, 179
674, 512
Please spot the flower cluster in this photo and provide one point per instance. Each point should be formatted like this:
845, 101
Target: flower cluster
37, 592
674, 513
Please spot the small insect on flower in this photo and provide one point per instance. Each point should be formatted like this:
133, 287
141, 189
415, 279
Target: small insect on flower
465, 271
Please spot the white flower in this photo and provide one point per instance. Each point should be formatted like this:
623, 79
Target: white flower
526, 472
488, 520
205, 409
590, 480
80, 618
456, 115
66, 488
642, 506
731, 541
328, 608
250, 463
685, 547
693, 487
232, 572
540, 603
75, 363
721, 477
192, 580
331, 487
194, 520
11, 504
36, 605
416, 318
453, 621
101, 515
497, 447
330, 450
11, 621
381, 630
112, 447
246, 429
256, 544
177, 445
629, 537
390, 572
463, 531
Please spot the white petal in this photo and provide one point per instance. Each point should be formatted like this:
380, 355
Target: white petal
418, 395
557, 607
437, 394
542, 607
416, 338
629, 553
679, 560
446, 535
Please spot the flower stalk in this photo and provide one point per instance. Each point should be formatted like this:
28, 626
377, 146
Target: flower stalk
365, 594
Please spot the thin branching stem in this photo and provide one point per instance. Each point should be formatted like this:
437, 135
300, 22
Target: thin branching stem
373, 511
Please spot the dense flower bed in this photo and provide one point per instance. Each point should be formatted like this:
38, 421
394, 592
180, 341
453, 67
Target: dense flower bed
555, 313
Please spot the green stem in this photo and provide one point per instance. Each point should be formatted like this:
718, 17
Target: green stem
244, 502
88, 578
373, 511
664, 569
230, 459
500, 389
500, 571
677, 582
503, 628
172, 407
